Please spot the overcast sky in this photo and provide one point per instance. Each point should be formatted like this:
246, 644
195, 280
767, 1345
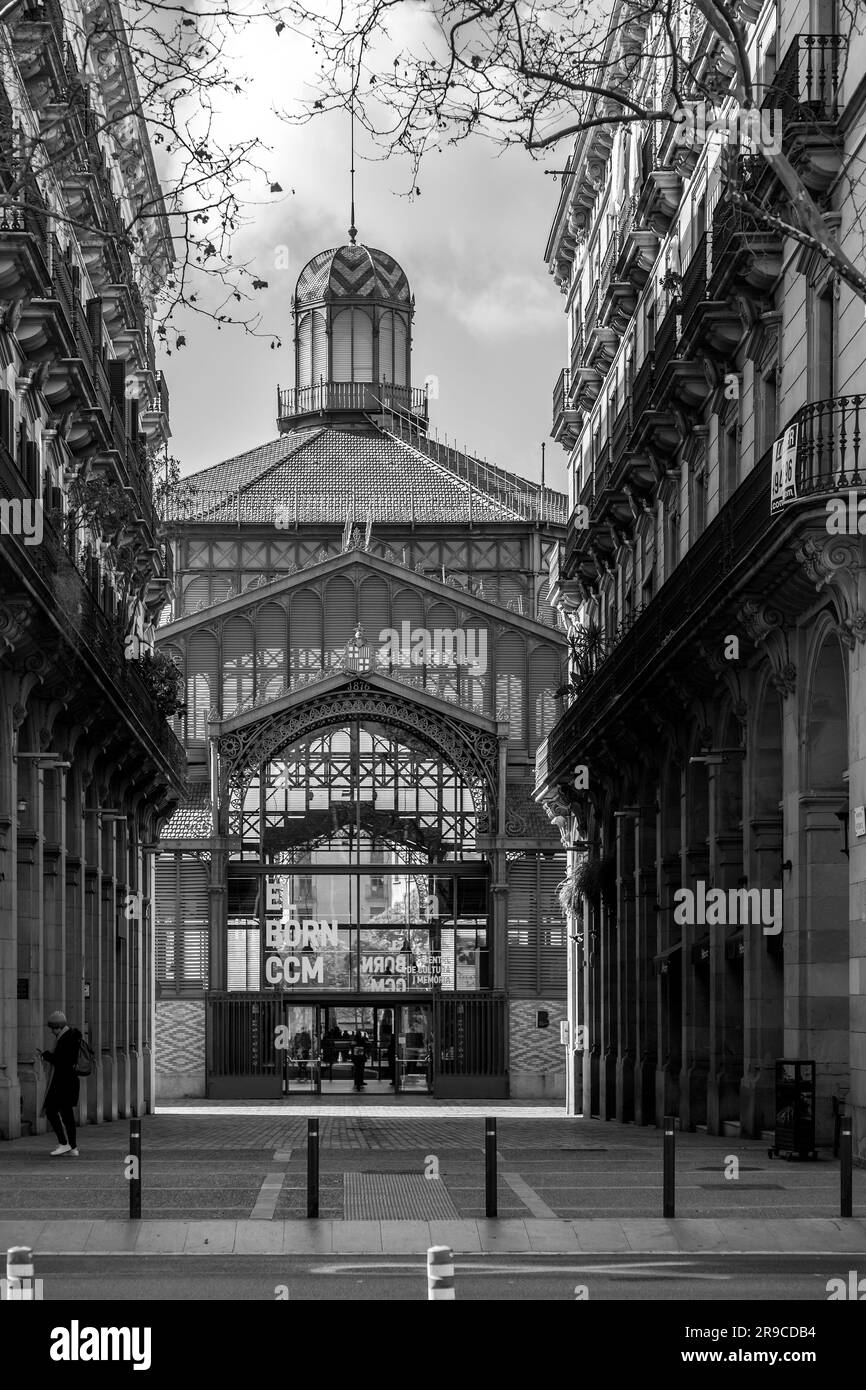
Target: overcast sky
489, 321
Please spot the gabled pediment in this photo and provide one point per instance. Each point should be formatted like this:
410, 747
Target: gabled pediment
357, 565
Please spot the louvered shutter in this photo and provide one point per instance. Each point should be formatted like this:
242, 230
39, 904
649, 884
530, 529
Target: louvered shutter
202, 686
552, 962
305, 634
511, 685
196, 594
237, 664
407, 608
270, 651
522, 932
305, 350
362, 346
386, 346
400, 377
478, 678
182, 925
320, 347
374, 605
243, 958
339, 617
341, 346
443, 671
544, 680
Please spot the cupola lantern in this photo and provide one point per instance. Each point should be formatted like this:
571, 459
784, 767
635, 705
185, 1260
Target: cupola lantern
352, 318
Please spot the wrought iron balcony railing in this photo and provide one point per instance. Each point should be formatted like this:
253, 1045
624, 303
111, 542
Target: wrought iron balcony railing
807, 81
363, 396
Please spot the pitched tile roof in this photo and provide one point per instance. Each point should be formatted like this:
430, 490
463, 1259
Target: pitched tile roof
191, 819
323, 474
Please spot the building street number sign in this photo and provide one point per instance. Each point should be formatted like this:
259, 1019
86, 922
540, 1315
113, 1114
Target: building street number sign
783, 488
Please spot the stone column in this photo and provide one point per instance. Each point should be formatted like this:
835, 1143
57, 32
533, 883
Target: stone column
695, 984
646, 948
817, 974
10, 1090
763, 984
31, 945
100, 1081
626, 969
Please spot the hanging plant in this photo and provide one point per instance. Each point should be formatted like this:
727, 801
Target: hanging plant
672, 283
595, 880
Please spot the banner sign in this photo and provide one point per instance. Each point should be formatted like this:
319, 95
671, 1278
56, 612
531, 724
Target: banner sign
783, 486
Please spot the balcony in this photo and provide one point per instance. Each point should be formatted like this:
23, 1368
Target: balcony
566, 420
637, 248
659, 198
744, 549
349, 397
743, 256
806, 91
24, 245
828, 443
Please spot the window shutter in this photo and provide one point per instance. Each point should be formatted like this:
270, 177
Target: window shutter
522, 915
511, 684
237, 664
407, 608
320, 348
552, 961
305, 339
341, 346
400, 377
374, 609
545, 680
305, 634
362, 346
202, 686
339, 617
270, 651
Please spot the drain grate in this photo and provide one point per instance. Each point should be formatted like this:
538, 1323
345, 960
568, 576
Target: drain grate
742, 1187
396, 1197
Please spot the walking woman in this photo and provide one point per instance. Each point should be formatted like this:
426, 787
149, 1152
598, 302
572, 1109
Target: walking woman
61, 1097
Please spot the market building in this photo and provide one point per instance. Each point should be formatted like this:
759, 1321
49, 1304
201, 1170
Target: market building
89, 768
370, 663
712, 584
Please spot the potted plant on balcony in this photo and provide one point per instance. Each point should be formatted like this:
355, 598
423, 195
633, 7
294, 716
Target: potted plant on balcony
163, 681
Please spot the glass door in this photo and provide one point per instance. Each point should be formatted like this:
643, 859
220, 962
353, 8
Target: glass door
414, 1048
302, 1064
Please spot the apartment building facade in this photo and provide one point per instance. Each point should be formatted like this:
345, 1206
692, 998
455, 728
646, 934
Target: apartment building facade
708, 777
89, 767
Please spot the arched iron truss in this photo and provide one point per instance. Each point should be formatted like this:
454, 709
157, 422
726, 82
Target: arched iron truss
474, 753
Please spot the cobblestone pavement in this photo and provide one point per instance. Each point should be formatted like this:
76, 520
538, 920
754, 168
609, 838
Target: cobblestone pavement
231, 1166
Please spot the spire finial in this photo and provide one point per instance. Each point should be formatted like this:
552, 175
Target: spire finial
353, 230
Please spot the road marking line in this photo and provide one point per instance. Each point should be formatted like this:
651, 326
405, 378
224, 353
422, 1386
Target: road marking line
269, 1192
529, 1197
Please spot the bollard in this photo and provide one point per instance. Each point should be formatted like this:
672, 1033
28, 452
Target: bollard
20, 1284
669, 1192
845, 1172
312, 1167
135, 1170
490, 1165
440, 1273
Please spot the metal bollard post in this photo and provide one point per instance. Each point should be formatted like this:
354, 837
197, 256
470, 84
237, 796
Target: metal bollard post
440, 1273
312, 1167
20, 1284
490, 1166
135, 1171
845, 1169
670, 1171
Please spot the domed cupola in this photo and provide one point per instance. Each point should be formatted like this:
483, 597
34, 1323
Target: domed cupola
352, 313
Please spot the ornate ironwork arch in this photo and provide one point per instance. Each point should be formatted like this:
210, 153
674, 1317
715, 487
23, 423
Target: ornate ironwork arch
472, 752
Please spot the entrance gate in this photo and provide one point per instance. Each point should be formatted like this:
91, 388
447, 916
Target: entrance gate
270, 1045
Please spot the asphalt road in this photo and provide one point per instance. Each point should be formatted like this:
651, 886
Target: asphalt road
661, 1278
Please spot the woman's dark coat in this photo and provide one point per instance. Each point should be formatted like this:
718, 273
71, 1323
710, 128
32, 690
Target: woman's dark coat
64, 1085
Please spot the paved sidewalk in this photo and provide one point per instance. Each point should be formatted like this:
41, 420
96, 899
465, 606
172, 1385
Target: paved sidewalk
599, 1237
248, 1164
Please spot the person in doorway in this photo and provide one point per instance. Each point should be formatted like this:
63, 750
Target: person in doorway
61, 1097
359, 1060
